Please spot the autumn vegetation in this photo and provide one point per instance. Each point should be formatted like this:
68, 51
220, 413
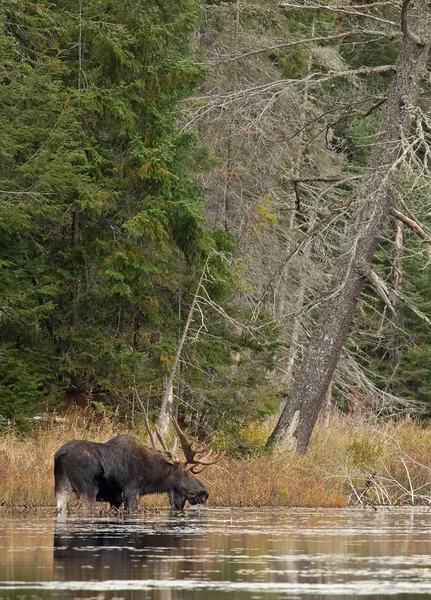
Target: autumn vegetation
350, 463
178, 183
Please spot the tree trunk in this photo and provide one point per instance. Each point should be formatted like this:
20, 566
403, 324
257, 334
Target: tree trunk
168, 382
297, 323
373, 205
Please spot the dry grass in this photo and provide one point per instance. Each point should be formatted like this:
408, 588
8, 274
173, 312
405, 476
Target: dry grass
26, 463
393, 458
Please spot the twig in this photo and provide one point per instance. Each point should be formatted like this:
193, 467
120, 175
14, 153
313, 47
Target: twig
387, 295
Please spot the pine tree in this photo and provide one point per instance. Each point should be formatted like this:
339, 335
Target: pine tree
101, 208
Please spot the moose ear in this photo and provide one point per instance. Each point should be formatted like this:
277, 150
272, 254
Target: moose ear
169, 457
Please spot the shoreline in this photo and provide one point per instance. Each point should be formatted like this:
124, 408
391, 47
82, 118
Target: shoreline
352, 462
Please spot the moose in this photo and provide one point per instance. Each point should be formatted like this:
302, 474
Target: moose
122, 469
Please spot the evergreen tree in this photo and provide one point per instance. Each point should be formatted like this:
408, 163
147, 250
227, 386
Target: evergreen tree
101, 212
101, 234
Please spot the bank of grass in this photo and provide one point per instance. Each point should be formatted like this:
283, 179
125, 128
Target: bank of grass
352, 461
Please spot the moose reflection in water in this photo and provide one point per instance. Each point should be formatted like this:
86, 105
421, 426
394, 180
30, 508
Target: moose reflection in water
122, 551
234, 554
123, 469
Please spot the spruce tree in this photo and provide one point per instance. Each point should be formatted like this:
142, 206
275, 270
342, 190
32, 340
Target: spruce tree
100, 211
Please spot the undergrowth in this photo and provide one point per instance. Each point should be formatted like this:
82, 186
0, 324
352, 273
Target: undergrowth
352, 461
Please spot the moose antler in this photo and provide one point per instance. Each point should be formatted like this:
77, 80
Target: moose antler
190, 454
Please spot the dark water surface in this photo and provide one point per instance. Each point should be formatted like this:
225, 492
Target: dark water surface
217, 554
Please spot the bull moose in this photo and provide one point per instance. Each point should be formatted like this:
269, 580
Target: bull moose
123, 469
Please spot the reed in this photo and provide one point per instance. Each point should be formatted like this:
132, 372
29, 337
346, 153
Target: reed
353, 461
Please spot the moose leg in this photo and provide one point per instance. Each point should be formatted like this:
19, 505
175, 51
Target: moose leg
63, 492
83, 474
86, 489
109, 493
63, 487
117, 501
131, 499
177, 501
89, 499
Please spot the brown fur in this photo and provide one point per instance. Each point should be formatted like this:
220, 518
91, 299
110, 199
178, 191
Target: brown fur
121, 469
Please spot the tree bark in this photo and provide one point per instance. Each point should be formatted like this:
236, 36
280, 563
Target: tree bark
373, 205
297, 323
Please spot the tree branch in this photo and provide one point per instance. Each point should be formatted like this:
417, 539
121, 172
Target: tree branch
414, 226
166, 408
384, 293
145, 414
353, 10
322, 38
405, 26
328, 179
375, 106
279, 86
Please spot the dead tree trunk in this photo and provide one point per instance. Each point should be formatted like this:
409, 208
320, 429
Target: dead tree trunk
168, 382
373, 205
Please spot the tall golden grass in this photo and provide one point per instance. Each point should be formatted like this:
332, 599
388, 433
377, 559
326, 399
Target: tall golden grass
351, 461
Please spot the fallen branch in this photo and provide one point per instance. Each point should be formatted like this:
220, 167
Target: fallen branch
414, 226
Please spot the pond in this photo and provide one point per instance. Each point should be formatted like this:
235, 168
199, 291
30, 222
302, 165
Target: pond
219, 554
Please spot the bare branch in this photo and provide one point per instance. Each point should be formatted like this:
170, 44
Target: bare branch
304, 41
327, 179
145, 413
277, 88
405, 26
382, 4
8, 193
414, 226
375, 106
386, 295
353, 10
166, 408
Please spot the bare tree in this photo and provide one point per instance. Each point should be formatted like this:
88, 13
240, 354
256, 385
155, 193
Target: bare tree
396, 146
168, 383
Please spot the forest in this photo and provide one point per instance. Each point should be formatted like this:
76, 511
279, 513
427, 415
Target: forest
217, 210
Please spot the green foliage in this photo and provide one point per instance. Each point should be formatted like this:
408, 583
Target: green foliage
359, 134
21, 383
396, 350
100, 213
363, 452
411, 378
101, 235
414, 375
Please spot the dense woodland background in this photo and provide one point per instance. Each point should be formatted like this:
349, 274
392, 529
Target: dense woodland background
176, 181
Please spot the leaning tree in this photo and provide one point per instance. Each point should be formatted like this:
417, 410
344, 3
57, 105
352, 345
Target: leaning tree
402, 142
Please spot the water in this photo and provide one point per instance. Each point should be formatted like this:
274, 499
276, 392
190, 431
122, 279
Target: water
215, 554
